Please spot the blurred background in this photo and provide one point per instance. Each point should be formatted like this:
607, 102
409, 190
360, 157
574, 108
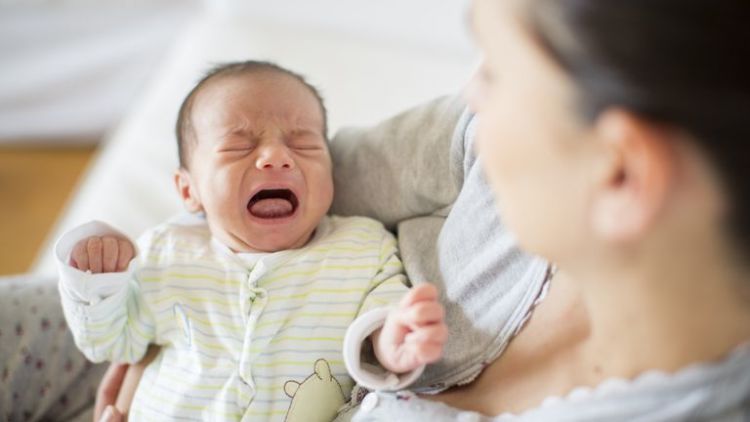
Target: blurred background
89, 92
68, 72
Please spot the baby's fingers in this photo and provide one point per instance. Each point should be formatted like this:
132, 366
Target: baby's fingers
436, 333
79, 257
423, 313
426, 353
419, 293
110, 253
126, 254
94, 248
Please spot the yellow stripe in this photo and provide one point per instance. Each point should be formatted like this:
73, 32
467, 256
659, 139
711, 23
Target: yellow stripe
337, 248
306, 363
100, 341
202, 387
181, 276
306, 339
315, 291
377, 301
315, 269
268, 280
270, 388
196, 408
164, 321
182, 258
254, 412
198, 300
369, 233
136, 328
300, 315
211, 346
291, 322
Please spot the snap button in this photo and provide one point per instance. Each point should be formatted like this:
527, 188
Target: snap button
370, 402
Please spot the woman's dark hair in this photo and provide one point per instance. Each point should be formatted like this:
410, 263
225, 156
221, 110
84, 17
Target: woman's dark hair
684, 63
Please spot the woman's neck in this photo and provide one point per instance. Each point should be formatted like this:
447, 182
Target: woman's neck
657, 315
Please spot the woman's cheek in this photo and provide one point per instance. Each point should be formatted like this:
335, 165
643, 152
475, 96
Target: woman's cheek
492, 138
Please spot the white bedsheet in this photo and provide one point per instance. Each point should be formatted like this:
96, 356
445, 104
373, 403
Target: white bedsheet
363, 79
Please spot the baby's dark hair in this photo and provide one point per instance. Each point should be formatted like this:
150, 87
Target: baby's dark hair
184, 127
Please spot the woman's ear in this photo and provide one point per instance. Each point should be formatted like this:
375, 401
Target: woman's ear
187, 191
638, 179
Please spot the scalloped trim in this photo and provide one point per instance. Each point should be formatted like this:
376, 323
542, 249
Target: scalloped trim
647, 378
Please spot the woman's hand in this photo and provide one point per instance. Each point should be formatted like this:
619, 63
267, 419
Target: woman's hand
106, 394
115, 393
414, 333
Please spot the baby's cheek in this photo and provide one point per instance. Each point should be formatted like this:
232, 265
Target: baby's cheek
322, 189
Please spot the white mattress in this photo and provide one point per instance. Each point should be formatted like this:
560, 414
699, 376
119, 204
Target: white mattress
363, 79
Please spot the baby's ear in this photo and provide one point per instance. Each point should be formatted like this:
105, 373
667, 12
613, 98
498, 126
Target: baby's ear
291, 387
322, 370
187, 190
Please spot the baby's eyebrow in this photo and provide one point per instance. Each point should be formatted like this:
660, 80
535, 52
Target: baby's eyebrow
245, 132
302, 131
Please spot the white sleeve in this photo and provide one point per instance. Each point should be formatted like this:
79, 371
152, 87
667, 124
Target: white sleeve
85, 287
371, 375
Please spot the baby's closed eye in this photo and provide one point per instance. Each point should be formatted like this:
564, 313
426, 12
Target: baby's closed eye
237, 145
306, 140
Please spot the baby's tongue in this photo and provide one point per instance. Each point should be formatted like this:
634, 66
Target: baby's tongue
271, 208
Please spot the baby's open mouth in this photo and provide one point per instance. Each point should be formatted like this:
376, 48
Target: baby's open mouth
273, 203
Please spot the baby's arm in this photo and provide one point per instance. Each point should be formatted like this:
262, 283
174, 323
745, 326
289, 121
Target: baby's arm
405, 327
100, 299
404, 339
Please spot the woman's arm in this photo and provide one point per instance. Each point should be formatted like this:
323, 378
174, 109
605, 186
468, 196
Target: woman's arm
400, 168
118, 386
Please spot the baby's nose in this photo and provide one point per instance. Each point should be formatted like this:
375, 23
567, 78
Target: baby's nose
274, 157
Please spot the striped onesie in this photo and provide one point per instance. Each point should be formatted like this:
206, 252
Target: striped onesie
243, 336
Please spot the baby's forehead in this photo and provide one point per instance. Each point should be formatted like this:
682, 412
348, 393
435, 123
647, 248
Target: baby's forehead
265, 90
255, 107
228, 83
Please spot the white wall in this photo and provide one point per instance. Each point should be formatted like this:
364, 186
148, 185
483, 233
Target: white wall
423, 24
69, 69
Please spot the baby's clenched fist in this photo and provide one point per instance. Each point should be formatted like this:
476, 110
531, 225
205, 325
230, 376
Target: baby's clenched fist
414, 333
102, 254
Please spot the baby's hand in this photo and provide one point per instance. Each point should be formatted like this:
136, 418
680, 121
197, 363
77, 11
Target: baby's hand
102, 254
414, 333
